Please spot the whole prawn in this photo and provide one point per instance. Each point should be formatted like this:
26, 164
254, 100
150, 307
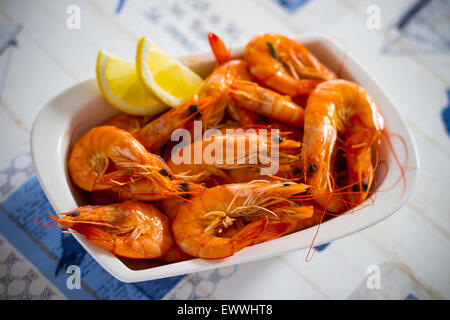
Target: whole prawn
340, 110
251, 99
106, 157
233, 151
129, 229
284, 65
223, 57
199, 222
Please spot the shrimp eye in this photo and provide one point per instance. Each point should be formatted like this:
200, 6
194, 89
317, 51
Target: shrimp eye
184, 186
312, 168
364, 187
193, 108
164, 172
184, 196
198, 115
74, 214
299, 203
286, 183
297, 170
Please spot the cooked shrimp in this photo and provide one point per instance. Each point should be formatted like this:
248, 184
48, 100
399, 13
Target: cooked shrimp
223, 57
231, 151
284, 65
217, 85
253, 97
339, 109
106, 157
199, 222
129, 229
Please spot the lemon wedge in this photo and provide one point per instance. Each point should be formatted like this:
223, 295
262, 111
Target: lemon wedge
119, 84
166, 77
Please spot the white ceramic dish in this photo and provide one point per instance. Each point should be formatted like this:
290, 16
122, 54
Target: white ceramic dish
81, 107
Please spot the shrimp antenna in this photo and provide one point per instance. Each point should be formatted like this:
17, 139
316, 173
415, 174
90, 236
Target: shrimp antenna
47, 225
397, 161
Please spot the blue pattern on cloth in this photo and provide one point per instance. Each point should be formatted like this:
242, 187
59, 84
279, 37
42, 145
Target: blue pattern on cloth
119, 6
411, 297
322, 246
446, 113
50, 252
73, 253
291, 5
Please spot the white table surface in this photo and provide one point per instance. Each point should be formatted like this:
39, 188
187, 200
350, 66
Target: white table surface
411, 247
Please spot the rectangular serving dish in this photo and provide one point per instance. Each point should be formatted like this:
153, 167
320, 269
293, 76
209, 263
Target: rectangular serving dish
67, 116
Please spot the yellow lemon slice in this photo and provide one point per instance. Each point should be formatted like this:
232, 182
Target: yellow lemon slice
120, 85
166, 77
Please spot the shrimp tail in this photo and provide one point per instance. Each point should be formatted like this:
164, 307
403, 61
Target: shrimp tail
219, 49
250, 234
274, 230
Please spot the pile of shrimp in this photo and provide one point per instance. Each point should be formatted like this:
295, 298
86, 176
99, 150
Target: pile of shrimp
145, 205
